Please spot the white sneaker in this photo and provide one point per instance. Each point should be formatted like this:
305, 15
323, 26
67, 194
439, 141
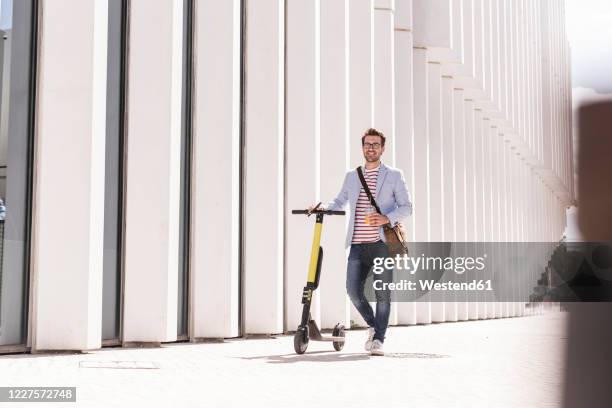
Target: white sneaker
377, 348
368, 343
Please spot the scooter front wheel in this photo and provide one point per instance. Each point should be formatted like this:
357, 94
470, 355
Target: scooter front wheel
338, 332
300, 340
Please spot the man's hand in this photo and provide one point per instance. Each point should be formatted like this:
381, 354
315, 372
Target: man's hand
378, 220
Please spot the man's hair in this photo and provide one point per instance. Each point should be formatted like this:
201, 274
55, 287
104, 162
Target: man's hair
373, 132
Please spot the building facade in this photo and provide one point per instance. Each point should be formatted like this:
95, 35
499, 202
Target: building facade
153, 151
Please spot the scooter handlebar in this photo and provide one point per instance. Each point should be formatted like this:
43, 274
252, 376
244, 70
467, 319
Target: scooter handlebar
318, 212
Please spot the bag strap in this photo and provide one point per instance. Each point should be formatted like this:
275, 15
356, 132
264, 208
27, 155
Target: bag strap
373, 201
367, 190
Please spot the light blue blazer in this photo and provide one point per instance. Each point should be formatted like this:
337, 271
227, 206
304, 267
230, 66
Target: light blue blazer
391, 196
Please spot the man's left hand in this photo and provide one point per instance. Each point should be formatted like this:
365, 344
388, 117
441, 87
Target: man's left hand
378, 220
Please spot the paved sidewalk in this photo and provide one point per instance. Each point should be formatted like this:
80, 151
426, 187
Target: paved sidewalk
514, 362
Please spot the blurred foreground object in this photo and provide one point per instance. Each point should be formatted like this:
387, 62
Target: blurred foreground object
595, 171
588, 380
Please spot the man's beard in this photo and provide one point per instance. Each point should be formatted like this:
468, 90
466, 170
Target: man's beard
371, 159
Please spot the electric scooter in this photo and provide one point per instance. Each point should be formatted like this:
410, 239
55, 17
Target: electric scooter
308, 329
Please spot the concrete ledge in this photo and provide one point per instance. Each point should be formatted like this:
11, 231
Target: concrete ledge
141, 344
60, 352
208, 340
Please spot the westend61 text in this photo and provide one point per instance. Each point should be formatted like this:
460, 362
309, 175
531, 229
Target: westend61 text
458, 264
429, 285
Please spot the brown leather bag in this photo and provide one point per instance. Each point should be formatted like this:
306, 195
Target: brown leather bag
395, 236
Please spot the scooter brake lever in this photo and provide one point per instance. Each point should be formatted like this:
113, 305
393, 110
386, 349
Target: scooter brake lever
313, 210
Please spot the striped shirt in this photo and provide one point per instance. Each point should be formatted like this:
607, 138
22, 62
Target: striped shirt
364, 233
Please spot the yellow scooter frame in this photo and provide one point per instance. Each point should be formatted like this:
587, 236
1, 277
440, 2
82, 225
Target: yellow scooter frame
308, 328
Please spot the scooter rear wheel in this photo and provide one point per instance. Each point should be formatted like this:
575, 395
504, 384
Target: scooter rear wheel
338, 332
300, 340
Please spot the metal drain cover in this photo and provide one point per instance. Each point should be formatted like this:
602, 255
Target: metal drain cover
415, 355
125, 365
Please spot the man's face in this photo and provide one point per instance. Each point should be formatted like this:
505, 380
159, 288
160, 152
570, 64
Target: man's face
372, 148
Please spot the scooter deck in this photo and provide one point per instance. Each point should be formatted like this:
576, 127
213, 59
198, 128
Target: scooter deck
315, 334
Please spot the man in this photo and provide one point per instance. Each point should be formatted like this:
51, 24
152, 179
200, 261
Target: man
366, 240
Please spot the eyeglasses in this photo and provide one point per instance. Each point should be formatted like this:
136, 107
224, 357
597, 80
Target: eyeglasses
374, 146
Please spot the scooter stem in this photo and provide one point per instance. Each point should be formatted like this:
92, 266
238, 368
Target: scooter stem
314, 251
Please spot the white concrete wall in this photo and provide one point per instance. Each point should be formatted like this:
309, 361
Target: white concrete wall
334, 155
361, 74
264, 207
153, 171
303, 147
383, 66
68, 225
215, 207
361, 89
404, 121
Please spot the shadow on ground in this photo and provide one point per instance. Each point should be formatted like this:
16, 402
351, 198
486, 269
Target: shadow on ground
331, 357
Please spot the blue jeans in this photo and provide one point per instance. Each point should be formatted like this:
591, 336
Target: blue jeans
360, 262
